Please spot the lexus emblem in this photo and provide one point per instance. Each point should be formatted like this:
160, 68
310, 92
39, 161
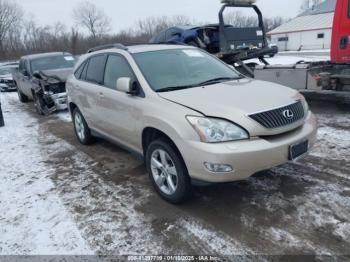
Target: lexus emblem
288, 114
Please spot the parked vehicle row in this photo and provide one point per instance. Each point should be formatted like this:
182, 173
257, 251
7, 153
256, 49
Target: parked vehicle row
6, 79
194, 119
42, 78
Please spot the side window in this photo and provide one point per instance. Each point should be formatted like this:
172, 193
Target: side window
116, 68
84, 72
27, 66
21, 66
95, 69
171, 33
79, 71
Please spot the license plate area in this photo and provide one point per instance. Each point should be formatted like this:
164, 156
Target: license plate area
298, 150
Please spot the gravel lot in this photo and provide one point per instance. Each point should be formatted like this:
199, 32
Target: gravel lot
59, 197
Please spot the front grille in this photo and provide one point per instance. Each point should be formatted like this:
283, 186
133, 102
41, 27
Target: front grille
280, 117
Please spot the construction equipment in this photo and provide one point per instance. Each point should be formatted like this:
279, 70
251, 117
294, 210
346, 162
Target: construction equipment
324, 80
231, 44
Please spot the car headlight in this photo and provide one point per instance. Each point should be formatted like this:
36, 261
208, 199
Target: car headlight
213, 130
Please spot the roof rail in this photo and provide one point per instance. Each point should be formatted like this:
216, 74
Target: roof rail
109, 46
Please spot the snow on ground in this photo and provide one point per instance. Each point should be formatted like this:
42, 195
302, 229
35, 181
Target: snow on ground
290, 59
58, 197
306, 51
33, 219
64, 116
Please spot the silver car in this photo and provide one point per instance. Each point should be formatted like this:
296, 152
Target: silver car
193, 118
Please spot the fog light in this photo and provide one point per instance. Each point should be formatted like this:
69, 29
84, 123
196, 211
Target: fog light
218, 168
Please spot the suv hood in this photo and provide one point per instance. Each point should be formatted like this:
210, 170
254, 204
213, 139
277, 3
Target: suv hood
235, 100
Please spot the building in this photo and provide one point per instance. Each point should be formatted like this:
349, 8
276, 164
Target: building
309, 31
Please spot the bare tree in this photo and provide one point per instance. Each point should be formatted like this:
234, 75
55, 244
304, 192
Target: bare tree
93, 19
10, 18
151, 26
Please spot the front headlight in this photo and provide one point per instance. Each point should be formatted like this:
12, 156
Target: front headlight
213, 130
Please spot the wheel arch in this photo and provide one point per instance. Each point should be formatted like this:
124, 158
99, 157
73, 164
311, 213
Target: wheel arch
150, 134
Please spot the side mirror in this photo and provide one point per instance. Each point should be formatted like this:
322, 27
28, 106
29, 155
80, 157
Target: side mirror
124, 84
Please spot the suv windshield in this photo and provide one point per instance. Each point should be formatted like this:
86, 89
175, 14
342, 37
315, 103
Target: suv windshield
52, 62
176, 69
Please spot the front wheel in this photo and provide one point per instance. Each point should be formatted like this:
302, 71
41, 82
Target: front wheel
81, 128
168, 172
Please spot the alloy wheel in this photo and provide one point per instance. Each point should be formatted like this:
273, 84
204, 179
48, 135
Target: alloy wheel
164, 172
79, 126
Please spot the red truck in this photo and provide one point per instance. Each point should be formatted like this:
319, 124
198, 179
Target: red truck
324, 80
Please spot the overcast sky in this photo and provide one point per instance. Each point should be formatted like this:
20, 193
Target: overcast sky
125, 13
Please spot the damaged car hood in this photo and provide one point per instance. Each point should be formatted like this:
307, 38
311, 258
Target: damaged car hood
235, 100
59, 75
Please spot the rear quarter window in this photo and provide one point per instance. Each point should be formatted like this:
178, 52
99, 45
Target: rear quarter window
95, 69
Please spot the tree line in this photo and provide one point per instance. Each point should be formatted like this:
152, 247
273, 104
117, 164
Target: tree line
20, 36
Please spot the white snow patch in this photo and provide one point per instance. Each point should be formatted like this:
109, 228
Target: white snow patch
332, 143
115, 227
289, 240
343, 231
210, 240
33, 220
290, 60
65, 116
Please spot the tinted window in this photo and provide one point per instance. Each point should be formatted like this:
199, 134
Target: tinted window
79, 71
95, 69
116, 68
320, 36
21, 65
83, 74
283, 39
52, 62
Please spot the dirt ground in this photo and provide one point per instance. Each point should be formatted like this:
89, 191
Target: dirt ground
300, 208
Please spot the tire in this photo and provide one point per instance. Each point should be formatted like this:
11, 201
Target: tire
179, 188
82, 130
22, 97
37, 105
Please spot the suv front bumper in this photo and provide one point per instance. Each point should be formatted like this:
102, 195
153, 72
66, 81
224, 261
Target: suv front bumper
246, 157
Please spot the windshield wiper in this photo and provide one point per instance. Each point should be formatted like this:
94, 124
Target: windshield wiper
175, 88
208, 82
217, 80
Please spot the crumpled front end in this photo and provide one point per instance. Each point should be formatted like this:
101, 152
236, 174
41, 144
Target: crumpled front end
50, 94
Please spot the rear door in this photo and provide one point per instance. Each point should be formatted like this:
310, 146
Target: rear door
340, 52
88, 89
